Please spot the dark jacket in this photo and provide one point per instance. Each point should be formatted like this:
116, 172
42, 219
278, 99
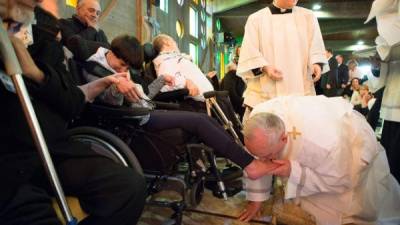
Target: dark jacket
56, 102
73, 26
235, 86
330, 78
343, 75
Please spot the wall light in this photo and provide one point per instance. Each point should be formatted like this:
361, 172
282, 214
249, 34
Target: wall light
316, 7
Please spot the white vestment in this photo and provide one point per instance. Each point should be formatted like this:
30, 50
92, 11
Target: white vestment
339, 172
181, 68
387, 13
292, 43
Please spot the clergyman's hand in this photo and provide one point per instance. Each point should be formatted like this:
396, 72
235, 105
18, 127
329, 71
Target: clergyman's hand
284, 168
317, 72
273, 73
252, 210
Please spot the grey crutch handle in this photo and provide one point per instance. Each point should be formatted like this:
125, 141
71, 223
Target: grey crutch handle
8, 56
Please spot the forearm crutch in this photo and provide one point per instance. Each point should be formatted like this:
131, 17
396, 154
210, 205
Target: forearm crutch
212, 104
16, 83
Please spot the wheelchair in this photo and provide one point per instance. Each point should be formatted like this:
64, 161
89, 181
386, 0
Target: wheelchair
217, 103
164, 163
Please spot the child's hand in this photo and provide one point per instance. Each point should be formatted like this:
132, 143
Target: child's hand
169, 80
193, 89
125, 86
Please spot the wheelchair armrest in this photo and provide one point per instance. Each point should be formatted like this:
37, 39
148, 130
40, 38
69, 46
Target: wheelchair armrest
211, 94
166, 105
116, 111
177, 95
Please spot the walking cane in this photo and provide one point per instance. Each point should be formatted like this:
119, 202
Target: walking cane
15, 83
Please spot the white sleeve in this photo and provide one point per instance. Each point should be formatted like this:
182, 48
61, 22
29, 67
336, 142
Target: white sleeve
331, 175
317, 48
250, 52
257, 190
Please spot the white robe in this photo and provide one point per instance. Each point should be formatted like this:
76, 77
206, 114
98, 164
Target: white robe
181, 68
292, 43
387, 13
340, 173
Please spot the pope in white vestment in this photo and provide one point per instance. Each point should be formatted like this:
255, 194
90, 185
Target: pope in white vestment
337, 171
291, 43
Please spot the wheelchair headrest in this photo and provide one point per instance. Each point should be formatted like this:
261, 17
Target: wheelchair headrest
149, 52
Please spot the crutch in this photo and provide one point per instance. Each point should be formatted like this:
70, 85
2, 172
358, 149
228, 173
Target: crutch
212, 104
15, 83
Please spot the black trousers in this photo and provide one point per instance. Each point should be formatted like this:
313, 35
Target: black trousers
203, 127
374, 113
391, 141
110, 193
29, 205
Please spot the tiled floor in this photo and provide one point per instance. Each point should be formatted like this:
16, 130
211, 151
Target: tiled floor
211, 211
214, 211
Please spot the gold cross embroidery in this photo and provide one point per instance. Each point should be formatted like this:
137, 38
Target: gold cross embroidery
294, 133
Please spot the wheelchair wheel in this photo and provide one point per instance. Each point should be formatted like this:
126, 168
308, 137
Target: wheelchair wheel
106, 144
194, 195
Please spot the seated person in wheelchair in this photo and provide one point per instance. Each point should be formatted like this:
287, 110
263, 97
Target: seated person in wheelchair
126, 51
109, 192
187, 74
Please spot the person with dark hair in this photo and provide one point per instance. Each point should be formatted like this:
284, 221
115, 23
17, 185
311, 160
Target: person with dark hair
235, 86
197, 124
329, 79
353, 84
128, 49
109, 192
84, 24
343, 74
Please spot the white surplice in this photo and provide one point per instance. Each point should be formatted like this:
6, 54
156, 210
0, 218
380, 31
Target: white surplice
339, 172
291, 42
387, 14
181, 67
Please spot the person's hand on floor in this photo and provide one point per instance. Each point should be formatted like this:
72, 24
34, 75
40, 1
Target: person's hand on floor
252, 210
